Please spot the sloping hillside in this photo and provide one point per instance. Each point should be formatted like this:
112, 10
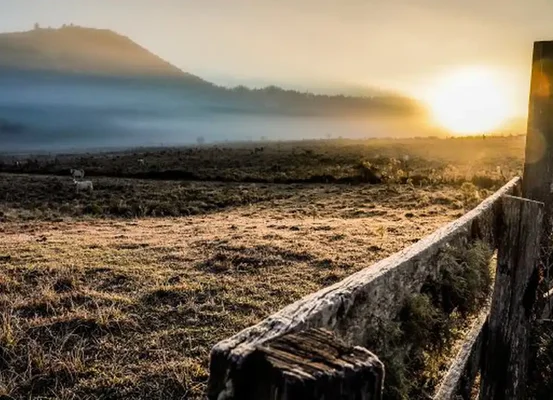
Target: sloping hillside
92, 87
102, 52
82, 50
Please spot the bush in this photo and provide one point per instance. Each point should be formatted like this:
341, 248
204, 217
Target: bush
413, 347
94, 209
368, 173
487, 182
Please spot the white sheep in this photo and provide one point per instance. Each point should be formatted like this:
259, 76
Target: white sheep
77, 173
83, 185
141, 161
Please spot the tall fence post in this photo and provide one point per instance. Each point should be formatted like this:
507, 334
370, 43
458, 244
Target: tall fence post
537, 183
538, 164
506, 356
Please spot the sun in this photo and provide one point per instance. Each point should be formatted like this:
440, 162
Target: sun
469, 101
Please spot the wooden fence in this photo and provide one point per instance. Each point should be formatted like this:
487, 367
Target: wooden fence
314, 348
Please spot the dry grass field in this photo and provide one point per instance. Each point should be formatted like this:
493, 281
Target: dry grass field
421, 161
120, 294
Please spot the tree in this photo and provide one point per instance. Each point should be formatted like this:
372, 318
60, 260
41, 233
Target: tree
37, 26
200, 140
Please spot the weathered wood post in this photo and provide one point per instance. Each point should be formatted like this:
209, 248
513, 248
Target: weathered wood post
537, 183
506, 355
309, 365
538, 164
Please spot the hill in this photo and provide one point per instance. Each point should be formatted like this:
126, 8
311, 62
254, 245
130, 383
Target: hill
95, 85
83, 50
104, 53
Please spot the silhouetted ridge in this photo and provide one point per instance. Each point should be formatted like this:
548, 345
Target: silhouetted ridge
83, 50
101, 52
96, 88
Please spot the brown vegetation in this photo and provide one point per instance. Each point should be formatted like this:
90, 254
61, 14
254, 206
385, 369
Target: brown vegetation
487, 163
96, 307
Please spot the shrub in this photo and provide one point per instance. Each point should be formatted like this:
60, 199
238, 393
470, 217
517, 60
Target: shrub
414, 346
94, 209
486, 181
368, 173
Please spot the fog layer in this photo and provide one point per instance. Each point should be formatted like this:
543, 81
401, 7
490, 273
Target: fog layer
53, 111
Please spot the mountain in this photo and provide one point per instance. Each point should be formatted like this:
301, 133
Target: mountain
74, 49
102, 53
56, 84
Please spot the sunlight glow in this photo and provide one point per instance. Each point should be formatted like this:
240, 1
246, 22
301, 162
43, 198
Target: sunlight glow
470, 101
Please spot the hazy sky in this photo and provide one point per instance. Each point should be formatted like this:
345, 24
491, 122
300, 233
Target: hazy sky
397, 44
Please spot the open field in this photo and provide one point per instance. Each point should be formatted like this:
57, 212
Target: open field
130, 308
97, 303
191, 181
423, 161
28, 197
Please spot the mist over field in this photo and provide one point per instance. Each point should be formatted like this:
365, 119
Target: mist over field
54, 111
80, 88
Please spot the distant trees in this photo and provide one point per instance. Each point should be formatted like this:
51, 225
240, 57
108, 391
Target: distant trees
277, 99
240, 89
36, 26
63, 26
200, 140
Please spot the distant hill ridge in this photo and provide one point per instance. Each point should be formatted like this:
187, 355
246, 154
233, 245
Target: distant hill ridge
75, 50
85, 50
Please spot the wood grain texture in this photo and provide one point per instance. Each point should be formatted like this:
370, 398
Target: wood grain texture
515, 293
310, 365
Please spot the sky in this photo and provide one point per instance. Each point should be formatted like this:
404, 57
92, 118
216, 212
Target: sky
400, 45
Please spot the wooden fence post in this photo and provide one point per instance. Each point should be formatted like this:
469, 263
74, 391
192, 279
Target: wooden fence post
507, 352
538, 164
537, 182
309, 365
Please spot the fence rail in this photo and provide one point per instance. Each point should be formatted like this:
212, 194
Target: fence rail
350, 308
